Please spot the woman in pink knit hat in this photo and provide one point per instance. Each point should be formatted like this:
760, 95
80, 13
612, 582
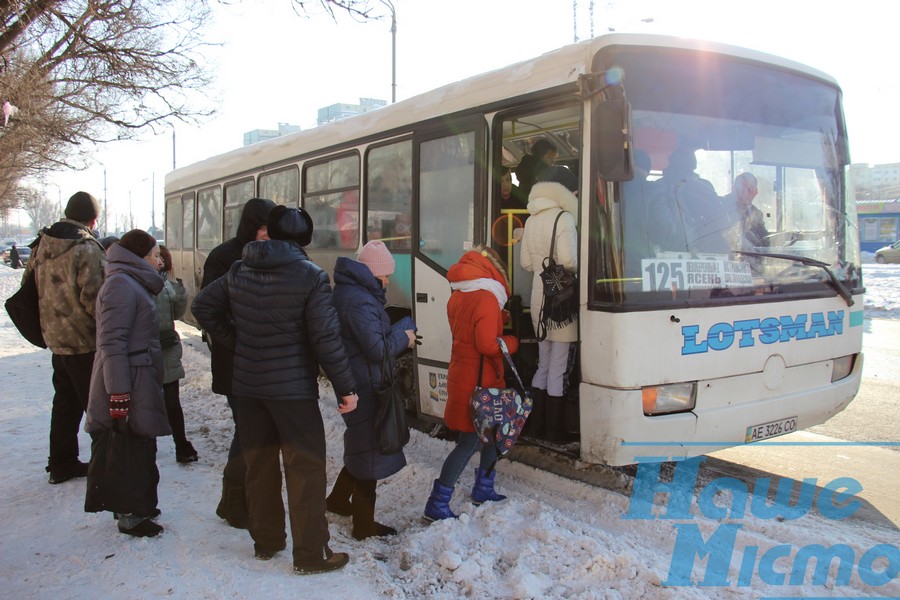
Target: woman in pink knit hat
369, 336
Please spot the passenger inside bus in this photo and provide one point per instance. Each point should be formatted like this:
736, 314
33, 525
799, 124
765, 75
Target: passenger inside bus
752, 230
348, 219
696, 216
511, 196
543, 154
390, 191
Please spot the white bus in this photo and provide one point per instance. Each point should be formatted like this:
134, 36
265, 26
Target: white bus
692, 339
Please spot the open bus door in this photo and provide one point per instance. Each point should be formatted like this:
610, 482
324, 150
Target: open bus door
180, 242
449, 203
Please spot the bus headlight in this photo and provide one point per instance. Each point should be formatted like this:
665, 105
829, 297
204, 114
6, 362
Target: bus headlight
671, 398
842, 367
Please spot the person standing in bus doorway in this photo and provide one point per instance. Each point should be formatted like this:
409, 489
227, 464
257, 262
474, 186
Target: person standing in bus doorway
171, 303
252, 226
542, 156
274, 308
68, 264
480, 289
553, 194
373, 344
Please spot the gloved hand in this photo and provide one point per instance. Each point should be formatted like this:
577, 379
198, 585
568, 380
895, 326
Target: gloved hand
118, 405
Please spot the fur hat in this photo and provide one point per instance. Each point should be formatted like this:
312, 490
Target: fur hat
377, 257
138, 242
560, 175
291, 224
82, 207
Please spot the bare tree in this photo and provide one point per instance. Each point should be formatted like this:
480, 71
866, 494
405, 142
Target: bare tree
42, 209
84, 72
87, 72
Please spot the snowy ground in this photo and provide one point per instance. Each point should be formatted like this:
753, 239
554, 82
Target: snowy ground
553, 538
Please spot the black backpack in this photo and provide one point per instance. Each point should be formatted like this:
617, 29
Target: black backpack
560, 302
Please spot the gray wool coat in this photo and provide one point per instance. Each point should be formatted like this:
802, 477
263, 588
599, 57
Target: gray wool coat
128, 357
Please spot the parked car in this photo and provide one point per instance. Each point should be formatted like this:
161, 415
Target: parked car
24, 254
888, 254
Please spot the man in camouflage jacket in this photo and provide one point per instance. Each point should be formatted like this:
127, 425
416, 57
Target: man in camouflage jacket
69, 265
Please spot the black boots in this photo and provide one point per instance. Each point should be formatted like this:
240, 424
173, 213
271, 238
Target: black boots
233, 505
547, 419
61, 474
356, 497
535, 426
363, 505
556, 422
338, 501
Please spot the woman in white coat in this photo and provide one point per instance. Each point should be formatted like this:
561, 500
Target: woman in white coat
553, 193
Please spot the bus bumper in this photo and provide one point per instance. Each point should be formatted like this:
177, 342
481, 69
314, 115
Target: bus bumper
615, 431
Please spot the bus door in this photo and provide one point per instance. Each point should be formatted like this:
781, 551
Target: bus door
185, 271
448, 215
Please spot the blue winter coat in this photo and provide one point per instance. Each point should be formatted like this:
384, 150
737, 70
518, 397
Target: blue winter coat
366, 331
274, 308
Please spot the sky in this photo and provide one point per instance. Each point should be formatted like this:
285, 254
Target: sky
552, 538
274, 66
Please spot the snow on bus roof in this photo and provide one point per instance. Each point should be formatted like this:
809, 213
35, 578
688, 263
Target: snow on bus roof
552, 69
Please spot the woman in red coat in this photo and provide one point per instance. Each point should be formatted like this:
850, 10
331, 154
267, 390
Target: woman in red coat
475, 310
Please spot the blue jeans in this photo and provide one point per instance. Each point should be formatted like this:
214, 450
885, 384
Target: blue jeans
467, 444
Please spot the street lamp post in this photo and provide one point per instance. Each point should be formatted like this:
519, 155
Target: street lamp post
390, 5
105, 211
153, 202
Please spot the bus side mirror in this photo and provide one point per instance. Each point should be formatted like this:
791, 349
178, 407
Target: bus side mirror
611, 123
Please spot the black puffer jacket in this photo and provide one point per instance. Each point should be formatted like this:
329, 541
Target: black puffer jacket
274, 308
220, 259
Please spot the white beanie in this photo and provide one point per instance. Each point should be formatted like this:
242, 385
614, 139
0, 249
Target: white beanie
377, 257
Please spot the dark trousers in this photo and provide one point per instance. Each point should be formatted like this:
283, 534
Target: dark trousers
295, 429
175, 413
71, 385
235, 468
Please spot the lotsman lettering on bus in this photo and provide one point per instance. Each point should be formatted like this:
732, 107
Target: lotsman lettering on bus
769, 330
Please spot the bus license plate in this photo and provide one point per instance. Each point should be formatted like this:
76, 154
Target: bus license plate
771, 429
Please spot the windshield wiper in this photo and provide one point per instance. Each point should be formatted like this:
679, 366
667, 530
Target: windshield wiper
837, 283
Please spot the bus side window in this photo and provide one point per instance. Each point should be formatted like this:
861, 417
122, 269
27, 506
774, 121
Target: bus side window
331, 198
389, 195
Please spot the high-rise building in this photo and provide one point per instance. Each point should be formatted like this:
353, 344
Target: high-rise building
336, 112
261, 135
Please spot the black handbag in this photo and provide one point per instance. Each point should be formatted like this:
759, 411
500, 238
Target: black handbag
560, 297
25, 313
390, 428
122, 474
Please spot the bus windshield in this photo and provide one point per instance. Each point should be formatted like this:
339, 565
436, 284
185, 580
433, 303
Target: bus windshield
739, 186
